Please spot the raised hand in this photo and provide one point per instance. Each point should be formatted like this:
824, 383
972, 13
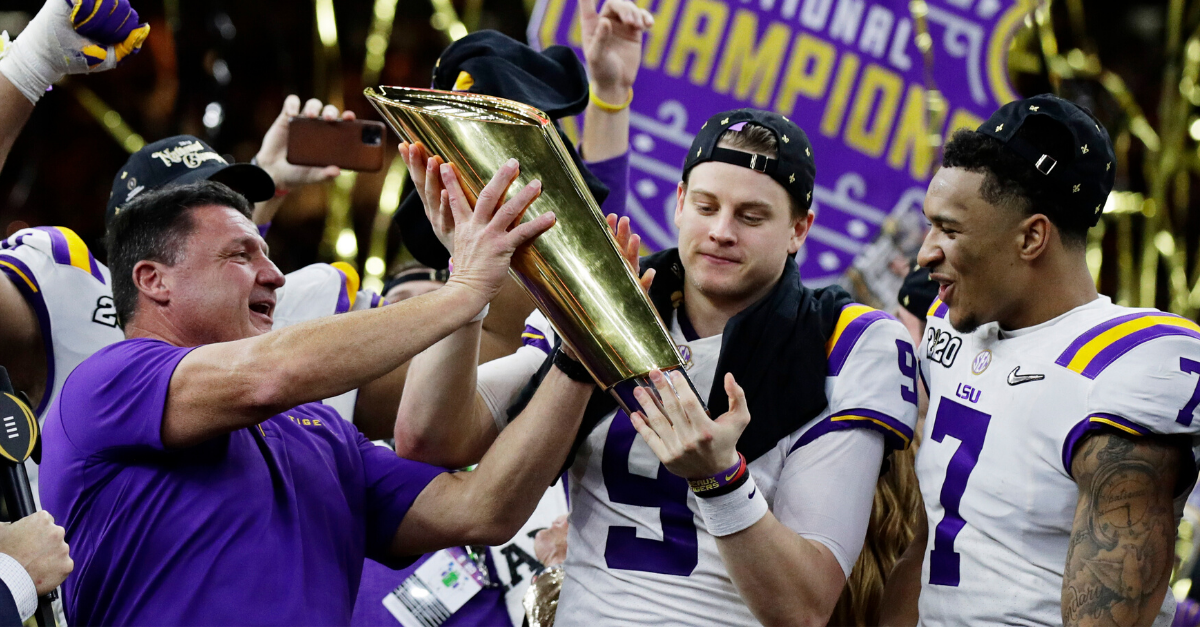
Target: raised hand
71, 37
485, 236
630, 245
612, 45
272, 156
682, 436
428, 183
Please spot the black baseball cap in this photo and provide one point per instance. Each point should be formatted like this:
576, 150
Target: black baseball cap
491, 63
918, 292
1079, 175
179, 160
793, 166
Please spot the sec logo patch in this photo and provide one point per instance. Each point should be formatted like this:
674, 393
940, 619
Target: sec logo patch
982, 361
685, 352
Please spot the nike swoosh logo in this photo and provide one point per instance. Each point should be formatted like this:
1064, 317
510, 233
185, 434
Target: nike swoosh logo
1018, 379
728, 477
752, 492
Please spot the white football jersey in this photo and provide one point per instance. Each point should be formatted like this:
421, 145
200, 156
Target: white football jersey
319, 290
638, 552
70, 292
1006, 412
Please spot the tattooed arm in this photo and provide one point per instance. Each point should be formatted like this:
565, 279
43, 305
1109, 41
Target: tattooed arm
1122, 543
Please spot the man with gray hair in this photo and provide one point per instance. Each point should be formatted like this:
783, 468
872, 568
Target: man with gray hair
198, 480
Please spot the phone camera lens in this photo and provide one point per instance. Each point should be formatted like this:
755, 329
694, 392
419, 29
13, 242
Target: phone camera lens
372, 135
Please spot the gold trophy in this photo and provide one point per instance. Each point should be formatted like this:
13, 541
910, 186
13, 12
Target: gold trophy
574, 272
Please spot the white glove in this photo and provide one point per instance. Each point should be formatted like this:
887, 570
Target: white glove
51, 46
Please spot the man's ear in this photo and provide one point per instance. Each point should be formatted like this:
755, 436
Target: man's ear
680, 192
148, 277
1033, 236
800, 227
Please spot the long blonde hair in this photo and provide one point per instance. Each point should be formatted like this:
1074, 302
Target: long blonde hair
894, 517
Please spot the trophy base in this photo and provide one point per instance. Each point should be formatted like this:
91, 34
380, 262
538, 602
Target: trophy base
623, 392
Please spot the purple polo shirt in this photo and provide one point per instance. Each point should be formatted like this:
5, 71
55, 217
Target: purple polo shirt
265, 525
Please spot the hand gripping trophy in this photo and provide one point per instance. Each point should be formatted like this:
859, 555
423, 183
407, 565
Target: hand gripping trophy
574, 271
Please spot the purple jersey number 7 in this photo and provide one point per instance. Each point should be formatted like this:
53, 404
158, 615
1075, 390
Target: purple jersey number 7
677, 553
968, 426
1185, 415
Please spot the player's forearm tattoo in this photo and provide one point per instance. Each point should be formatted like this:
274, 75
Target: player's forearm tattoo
1121, 550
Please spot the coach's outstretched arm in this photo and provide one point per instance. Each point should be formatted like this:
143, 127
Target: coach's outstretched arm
1123, 540
219, 388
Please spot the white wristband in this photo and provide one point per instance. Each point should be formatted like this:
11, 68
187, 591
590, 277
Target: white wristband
733, 512
482, 313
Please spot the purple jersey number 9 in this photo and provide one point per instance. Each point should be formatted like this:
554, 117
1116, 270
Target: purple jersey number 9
676, 553
908, 368
968, 426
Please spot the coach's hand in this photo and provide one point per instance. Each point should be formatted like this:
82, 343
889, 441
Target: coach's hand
38, 545
428, 183
685, 439
485, 237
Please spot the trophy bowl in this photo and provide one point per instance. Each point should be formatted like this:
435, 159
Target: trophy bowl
574, 272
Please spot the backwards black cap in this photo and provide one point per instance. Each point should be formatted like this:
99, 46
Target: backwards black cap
1079, 175
179, 160
491, 63
793, 166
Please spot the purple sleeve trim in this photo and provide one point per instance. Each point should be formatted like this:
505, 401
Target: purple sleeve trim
896, 434
1096, 422
614, 173
533, 337
263, 228
27, 284
849, 338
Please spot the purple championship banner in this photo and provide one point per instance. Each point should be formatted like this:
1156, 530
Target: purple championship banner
848, 72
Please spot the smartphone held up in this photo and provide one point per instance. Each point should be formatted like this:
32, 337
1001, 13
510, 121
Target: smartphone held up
348, 144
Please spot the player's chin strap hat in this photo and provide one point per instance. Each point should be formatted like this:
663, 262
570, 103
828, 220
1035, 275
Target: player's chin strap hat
179, 160
493, 64
1078, 175
792, 167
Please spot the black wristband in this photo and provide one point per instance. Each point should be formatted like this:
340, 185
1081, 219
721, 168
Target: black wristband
573, 369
